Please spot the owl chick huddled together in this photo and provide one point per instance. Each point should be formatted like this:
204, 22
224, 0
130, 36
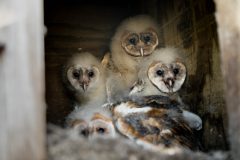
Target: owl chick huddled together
164, 73
134, 40
154, 114
84, 77
137, 84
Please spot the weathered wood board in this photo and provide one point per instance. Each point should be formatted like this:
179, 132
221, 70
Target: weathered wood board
22, 103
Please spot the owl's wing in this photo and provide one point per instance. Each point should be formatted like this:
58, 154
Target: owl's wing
156, 101
158, 126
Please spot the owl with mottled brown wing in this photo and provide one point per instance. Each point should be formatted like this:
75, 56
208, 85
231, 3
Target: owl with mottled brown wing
164, 73
134, 40
155, 122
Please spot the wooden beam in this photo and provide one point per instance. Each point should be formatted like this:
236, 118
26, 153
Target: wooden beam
22, 106
228, 19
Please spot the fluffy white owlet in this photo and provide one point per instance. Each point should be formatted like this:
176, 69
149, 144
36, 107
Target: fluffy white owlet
135, 39
85, 79
154, 120
99, 125
164, 73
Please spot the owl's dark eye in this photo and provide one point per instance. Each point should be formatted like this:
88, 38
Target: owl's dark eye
76, 74
147, 39
84, 132
160, 72
101, 130
133, 41
175, 71
90, 74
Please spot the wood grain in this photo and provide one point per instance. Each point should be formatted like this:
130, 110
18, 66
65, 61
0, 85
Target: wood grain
22, 106
229, 36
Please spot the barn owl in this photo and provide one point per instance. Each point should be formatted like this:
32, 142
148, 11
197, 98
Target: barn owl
102, 126
164, 73
99, 125
155, 120
84, 76
134, 40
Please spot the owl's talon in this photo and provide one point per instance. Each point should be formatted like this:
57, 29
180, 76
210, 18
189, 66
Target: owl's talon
141, 82
198, 126
138, 86
193, 120
107, 106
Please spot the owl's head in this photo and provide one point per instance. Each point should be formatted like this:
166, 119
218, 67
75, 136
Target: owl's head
167, 77
140, 44
137, 36
83, 72
99, 125
102, 126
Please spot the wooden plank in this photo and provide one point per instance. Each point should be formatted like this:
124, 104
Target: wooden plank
74, 44
6, 15
22, 107
228, 20
61, 30
3, 135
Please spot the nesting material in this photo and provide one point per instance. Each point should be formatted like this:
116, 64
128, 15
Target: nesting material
65, 144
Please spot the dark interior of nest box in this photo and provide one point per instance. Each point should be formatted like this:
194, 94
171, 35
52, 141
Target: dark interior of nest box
88, 25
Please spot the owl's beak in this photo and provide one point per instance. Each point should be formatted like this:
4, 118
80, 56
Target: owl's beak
84, 83
84, 86
169, 83
141, 52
